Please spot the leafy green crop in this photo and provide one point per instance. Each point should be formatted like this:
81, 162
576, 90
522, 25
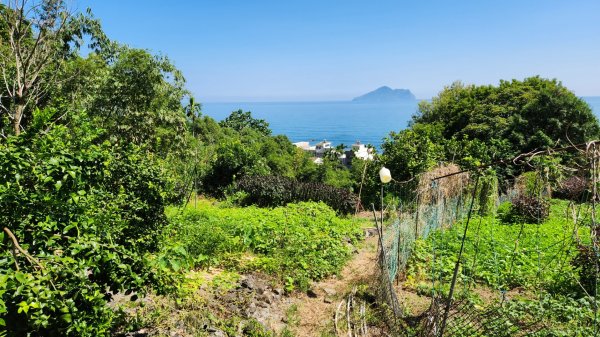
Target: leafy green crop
299, 242
531, 264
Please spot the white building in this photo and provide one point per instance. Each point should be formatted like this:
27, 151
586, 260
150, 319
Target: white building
360, 151
306, 147
321, 148
318, 151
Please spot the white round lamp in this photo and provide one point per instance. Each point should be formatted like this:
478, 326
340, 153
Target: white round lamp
384, 175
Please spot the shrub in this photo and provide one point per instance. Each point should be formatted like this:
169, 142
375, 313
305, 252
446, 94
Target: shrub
487, 195
573, 188
531, 183
530, 209
86, 214
269, 191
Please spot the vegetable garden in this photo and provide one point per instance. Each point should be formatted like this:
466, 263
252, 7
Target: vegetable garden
525, 266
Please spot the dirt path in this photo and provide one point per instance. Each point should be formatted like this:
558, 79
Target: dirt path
315, 313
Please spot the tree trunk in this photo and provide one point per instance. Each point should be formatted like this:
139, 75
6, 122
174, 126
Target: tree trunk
18, 116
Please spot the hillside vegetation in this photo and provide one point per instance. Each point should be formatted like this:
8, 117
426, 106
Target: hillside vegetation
118, 195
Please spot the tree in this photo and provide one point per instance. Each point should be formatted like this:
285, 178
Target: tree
533, 113
140, 100
473, 125
87, 213
239, 120
34, 41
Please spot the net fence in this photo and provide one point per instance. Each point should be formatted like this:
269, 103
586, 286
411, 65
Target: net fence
438, 207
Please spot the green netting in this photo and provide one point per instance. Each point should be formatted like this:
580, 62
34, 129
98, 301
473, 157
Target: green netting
414, 221
399, 236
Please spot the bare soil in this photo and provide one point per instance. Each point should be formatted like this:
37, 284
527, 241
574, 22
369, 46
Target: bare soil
316, 312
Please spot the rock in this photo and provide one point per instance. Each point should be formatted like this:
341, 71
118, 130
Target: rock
247, 283
328, 299
278, 291
351, 248
218, 333
370, 232
251, 309
266, 297
329, 291
215, 332
139, 333
312, 293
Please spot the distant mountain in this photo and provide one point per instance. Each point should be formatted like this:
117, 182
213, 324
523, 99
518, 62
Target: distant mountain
386, 94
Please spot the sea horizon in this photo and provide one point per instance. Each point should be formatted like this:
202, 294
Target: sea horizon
340, 122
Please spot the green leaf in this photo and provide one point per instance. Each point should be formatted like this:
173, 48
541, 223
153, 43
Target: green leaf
66, 318
23, 307
175, 265
20, 277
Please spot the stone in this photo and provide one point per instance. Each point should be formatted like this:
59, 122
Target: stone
370, 232
329, 291
217, 333
248, 283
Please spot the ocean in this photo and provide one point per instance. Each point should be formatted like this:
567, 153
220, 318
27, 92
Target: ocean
338, 122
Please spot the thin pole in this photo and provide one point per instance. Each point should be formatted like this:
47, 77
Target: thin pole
462, 245
381, 206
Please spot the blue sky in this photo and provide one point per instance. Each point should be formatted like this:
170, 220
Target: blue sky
291, 50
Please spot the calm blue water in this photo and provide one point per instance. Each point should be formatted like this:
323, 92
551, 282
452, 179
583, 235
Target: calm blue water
338, 122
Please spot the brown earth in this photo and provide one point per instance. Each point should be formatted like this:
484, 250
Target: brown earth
316, 309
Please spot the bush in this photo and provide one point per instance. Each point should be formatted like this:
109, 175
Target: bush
530, 209
573, 188
269, 191
487, 195
87, 215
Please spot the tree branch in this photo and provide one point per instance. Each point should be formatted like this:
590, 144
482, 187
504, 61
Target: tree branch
16, 245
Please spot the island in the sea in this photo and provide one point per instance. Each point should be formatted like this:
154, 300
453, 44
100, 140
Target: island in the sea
386, 94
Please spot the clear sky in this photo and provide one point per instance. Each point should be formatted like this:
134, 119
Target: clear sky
298, 50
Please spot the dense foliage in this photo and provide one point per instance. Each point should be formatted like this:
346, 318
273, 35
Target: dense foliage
473, 125
299, 243
530, 209
79, 217
574, 188
269, 191
240, 120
